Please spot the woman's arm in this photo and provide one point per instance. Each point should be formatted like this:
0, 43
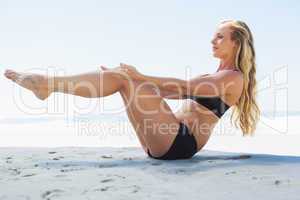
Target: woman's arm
168, 94
217, 84
166, 83
207, 85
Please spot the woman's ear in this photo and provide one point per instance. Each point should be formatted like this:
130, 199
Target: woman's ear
235, 45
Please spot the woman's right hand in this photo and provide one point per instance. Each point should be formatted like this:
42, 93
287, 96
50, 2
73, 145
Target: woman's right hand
118, 72
125, 71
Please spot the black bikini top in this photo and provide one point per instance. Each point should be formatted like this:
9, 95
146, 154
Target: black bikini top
214, 104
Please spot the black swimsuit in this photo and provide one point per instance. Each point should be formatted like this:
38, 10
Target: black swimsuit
185, 145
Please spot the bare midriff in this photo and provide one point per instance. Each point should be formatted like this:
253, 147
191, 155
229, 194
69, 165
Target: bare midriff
200, 121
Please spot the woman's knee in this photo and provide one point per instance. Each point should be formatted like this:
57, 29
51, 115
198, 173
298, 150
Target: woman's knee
141, 87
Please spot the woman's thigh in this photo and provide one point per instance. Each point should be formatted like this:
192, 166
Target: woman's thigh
156, 122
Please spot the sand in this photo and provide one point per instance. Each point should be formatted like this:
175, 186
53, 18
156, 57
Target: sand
128, 173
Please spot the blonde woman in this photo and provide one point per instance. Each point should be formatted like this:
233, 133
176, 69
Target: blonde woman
163, 134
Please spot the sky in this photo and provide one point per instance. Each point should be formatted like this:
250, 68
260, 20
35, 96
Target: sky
160, 38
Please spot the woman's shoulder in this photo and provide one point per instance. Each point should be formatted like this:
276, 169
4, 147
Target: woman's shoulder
231, 73
223, 76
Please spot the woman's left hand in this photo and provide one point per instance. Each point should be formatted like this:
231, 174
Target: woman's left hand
131, 71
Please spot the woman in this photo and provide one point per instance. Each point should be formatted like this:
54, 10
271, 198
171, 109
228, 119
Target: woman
163, 134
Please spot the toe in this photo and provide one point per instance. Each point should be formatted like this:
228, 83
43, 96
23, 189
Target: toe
10, 74
7, 74
8, 71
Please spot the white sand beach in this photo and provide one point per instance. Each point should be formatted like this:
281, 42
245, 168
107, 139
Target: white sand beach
52, 160
127, 173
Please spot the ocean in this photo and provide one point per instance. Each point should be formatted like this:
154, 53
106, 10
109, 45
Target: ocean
275, 134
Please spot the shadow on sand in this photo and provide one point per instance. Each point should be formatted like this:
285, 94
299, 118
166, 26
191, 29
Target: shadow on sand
202, 161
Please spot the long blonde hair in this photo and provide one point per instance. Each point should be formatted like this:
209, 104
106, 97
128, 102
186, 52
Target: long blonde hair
246, 112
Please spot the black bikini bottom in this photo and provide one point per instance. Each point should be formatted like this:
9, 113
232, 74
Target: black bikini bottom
183, 147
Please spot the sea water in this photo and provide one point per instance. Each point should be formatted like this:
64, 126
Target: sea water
277, 134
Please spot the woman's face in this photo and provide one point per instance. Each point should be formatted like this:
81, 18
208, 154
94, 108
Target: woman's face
222, 45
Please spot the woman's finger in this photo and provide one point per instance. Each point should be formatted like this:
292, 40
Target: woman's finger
124, 65
103, 68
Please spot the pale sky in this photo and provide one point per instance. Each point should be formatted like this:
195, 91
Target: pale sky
160, 38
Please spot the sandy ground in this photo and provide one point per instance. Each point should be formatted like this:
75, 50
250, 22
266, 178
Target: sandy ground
128, 173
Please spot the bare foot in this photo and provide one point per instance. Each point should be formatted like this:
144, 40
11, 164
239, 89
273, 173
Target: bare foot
38, 84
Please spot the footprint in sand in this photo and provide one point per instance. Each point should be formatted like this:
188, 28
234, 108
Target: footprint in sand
122, 177
136, 188
178, 171
58, 158
107, 180
279, 182
232, 172
9, 159
104, 156
71, 169
15, 171
28, 175
115, 175
102, 189
156, 163
49, 194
